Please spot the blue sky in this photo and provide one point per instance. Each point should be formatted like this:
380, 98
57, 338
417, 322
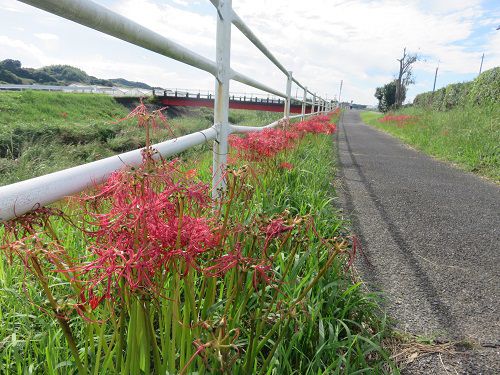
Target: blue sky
321, 41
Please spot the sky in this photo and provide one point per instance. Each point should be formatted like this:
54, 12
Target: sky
321, 41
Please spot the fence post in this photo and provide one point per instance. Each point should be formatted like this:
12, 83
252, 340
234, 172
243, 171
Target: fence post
288, 95
313, 103
304, 98
221, 102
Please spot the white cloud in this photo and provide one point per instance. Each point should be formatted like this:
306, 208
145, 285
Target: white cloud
192, 30
46, 36
10, 6
21, 50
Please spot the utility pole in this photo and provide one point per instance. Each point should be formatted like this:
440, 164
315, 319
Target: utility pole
340, 91
481, 66
435, 78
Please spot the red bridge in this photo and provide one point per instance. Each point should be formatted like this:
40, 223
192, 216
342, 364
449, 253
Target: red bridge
236, 101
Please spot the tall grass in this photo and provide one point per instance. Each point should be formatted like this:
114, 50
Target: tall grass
468, 136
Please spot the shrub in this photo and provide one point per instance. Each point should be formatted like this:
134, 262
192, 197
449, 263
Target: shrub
484, 90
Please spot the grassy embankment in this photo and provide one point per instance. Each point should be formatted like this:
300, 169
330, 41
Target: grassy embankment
459, 123
42, 132
469, 137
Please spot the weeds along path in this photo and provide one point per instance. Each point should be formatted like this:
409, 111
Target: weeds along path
431, 243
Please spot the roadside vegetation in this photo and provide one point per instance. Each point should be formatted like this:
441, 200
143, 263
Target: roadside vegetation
144, 275
458, 123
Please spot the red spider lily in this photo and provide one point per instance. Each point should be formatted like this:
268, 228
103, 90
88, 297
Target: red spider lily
275, 228
155, 119
233, 259
30, 222
147, 120
262, 145
262, 274
400, 120
145, 226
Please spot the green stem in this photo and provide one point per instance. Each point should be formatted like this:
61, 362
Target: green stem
61, 320
273, 350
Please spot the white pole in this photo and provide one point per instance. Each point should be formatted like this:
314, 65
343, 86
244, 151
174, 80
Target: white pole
313, 103
340, 91
221, 103
304, 98
288, 95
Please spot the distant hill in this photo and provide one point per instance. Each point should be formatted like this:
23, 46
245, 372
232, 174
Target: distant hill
126, 83
11, 71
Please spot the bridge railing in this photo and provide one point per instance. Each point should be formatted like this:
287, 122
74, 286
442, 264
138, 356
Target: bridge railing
233, 95
24, 196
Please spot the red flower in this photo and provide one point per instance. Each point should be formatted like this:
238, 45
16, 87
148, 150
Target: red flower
399, 120
286, 165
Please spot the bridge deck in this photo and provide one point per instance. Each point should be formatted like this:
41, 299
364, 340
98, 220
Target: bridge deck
235, 102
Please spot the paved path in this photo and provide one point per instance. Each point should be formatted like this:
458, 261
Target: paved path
431, 242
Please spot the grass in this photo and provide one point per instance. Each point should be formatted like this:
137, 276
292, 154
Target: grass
43, 132
339, 329
467, 136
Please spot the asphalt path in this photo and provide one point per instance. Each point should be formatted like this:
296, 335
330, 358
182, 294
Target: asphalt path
430, 236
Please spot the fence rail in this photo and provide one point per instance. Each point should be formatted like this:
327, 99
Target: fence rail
22, 197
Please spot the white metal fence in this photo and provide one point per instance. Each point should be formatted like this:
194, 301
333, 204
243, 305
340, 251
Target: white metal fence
22, 197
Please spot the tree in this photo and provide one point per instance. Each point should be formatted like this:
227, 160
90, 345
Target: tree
386, 96
11, 65
405, 76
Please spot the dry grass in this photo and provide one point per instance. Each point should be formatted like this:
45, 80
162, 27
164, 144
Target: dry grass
406, 348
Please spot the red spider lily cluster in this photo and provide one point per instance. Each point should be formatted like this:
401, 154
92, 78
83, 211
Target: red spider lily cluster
400, 120
151, 221
260, 146
148, 221
316, 125
263, 145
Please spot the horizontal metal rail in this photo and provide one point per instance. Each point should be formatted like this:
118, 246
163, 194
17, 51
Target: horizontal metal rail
238, 22
21, 197
251, 82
